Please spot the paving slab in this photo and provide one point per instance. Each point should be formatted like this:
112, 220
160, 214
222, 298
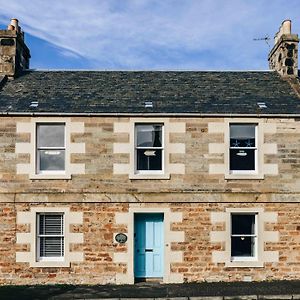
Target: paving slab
206, 298
248, 297
154, 291
172, 298
276, 297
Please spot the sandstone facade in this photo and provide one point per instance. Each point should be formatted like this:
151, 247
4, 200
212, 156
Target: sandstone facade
194, 203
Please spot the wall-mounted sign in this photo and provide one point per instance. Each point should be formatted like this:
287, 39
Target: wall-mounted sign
121, 238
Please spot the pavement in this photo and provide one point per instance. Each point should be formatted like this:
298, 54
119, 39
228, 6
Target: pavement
154, 291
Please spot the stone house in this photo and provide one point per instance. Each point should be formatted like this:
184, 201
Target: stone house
116, 177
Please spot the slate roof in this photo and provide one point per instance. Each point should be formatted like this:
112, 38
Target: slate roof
172, 92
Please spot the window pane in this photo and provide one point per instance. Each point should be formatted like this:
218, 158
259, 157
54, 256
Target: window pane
52, 160
51, 224
242, 131
149, 159
242, 224
51, 246
149, 135
242, 135
242, 159
50, 135
243, 246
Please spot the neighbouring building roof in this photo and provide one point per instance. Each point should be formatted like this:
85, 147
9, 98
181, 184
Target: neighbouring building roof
171, 92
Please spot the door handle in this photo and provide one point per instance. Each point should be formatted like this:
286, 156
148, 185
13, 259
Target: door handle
148, 250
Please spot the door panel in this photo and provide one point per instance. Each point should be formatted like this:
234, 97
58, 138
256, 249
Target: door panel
148, 245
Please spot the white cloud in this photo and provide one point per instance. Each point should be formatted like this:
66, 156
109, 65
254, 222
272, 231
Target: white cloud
152, 34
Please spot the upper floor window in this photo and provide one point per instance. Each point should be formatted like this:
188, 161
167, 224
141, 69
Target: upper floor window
149, 148
243, 237
50, 236
243, 148
51, 148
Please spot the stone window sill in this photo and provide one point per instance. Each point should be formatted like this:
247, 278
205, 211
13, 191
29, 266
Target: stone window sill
50, 176
150, 176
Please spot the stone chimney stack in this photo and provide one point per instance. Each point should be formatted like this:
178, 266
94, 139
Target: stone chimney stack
14, 54
284, 56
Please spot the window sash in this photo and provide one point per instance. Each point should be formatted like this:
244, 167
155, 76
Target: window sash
50, 246
253, 236
40, 149
254, 148
160, 148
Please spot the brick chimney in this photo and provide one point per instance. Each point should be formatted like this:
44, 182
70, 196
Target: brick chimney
14, 54
284, 56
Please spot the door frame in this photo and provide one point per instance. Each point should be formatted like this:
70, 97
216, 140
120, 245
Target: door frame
170, 256
166, 245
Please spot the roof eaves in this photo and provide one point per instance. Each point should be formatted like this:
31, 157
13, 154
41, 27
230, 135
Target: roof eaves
150, 115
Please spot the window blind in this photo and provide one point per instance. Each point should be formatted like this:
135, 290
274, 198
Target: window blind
51, 235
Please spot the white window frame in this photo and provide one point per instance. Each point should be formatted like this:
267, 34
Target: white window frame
40, 258
259, 163
255, 236
38, 149
245, 172
162, 148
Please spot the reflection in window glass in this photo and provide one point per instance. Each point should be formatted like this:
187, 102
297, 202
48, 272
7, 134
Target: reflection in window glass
243, 235
149, 147
243, 147
50, 147
51, 135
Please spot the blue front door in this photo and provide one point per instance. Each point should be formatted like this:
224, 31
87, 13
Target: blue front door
148, 245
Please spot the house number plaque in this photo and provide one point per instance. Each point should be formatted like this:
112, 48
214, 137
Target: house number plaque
121, 238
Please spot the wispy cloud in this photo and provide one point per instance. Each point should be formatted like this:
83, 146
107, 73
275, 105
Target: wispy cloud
152, 34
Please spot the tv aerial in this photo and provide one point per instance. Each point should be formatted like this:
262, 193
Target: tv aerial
266, 39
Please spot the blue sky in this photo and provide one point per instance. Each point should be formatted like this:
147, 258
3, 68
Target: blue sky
150, 34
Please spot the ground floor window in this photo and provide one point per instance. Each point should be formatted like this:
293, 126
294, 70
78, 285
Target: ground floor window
50, 236
243, 236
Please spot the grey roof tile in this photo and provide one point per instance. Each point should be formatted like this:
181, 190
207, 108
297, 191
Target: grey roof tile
170, 91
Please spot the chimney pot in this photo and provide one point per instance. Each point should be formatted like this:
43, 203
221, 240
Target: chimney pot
286, 27
10, 27
14, 22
